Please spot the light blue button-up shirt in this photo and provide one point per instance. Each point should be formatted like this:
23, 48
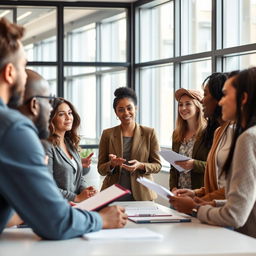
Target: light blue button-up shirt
27, 186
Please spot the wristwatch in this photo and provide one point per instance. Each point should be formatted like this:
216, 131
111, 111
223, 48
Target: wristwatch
194, 211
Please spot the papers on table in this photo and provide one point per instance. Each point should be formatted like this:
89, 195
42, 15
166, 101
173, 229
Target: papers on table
171, 157
160, 190
103, 198
123, 233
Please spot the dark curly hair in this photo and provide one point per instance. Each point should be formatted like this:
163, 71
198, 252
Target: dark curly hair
215, 83
124, 92
70, 136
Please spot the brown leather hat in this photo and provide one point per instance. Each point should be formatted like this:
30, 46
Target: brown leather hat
194, 94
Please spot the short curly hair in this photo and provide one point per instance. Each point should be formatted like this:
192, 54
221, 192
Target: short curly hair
124, 92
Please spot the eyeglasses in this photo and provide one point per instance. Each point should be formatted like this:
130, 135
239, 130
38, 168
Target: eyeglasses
51, 99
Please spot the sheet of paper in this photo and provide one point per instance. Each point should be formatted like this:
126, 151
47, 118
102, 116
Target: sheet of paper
171, 157
160, 190
123, 233
159, 219
102, 198
143, 208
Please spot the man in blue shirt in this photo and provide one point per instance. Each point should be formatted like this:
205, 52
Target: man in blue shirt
25, 183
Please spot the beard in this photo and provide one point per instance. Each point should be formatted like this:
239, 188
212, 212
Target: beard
15, 100
42, 126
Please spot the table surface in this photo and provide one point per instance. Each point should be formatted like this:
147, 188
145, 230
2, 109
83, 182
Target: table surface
179, 239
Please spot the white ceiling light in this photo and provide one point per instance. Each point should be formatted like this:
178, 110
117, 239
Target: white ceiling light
23, 16
4, 13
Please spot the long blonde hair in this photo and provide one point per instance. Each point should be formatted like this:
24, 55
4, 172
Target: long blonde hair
182, 125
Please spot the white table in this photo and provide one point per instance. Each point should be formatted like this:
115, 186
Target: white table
179, 239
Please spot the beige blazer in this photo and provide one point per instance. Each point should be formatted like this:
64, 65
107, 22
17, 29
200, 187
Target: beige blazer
145, 149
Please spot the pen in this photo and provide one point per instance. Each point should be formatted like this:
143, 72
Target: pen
145, 215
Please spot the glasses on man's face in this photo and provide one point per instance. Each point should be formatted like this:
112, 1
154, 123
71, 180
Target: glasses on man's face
51, 99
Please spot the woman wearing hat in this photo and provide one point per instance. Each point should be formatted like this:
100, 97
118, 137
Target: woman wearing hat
187, 139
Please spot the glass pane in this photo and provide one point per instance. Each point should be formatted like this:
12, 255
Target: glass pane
239, 62
241, 29
40, 36
91, 91
156, 32
195, 26
95, 34
156, 101
80, 90
48, 73
194, 73
109, 82
6, 13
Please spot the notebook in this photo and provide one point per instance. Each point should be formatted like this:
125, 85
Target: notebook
103, 198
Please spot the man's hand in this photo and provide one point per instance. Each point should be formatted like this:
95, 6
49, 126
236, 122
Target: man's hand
182, 204
133, 166
113, 217
86, 162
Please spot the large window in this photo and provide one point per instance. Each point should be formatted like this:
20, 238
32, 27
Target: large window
179, 43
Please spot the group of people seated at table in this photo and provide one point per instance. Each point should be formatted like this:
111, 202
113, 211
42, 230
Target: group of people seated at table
215, 129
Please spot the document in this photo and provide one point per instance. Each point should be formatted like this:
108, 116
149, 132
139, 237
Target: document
171, 157
160, 190
123, 233
143, 209
159, 219
103, 198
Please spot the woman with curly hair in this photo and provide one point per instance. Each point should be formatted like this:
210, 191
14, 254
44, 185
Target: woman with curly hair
128, 150
64, 161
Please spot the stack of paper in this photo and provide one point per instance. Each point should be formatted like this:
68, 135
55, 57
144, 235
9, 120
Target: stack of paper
123, 233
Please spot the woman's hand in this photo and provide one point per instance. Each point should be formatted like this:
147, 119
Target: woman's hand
187, 165
183, 204
115, 161
183, 192
133, 166
85, 194
86, 162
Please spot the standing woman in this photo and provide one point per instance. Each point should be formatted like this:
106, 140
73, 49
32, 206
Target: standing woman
64, 161
128, 150
187, 139
217, 136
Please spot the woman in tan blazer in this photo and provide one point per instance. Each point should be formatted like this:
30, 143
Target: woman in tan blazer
128, 150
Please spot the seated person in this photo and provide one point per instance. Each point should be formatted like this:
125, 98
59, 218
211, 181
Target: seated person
64, 161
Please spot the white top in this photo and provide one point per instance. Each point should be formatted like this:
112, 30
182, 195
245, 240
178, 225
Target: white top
74, 163
222, 154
